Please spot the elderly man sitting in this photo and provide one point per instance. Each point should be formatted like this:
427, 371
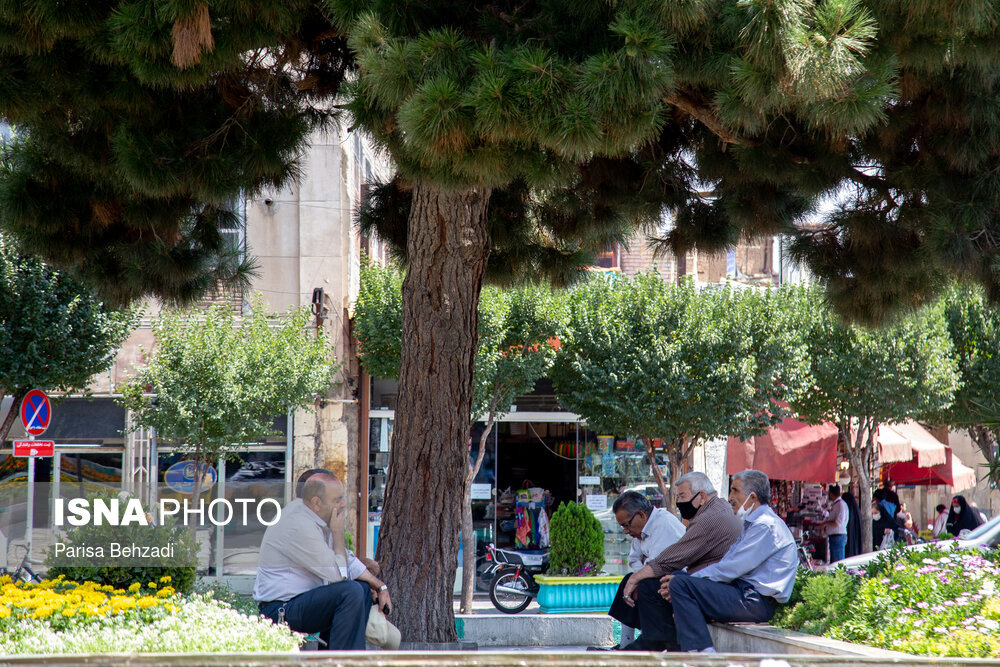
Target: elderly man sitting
652, 529
755, 575
711, 530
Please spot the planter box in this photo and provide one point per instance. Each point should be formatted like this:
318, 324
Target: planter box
574, 595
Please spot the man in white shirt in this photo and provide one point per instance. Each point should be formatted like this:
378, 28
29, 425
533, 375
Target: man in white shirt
652, 530
836, 523
308, 579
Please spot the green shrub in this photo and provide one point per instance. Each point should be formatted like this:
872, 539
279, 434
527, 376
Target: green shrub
222, 592
826, 602
577, 541
122, 572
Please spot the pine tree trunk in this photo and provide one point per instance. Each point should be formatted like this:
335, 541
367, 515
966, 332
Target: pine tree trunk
447, 250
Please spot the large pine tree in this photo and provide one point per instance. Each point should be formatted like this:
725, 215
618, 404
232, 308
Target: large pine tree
526, 134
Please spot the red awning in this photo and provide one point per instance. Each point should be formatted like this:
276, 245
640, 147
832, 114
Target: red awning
792, 450
951, 473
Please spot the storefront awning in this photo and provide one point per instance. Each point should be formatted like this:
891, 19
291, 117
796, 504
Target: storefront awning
927, 450
951, 473
792, 451
892, 446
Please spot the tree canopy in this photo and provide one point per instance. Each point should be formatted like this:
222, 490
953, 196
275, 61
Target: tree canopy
974, 327
55, 334
213, 385
865, 377
641, 357
140, 122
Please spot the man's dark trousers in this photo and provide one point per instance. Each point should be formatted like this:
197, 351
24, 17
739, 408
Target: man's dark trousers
338, 612
622, 611
655, 617
696, 600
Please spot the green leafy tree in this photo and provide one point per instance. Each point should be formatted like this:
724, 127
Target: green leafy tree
974, 327
866, 377
516, 330
577, 541
55, 334
213, 385
641, 357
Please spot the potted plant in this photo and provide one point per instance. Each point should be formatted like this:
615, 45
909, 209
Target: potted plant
575, 582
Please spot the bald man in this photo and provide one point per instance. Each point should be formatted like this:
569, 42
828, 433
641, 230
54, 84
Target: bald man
308, 579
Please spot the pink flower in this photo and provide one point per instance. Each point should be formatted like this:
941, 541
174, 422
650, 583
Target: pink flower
922, 605
907, 610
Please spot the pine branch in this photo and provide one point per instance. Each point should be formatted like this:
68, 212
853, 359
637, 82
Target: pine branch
703, 113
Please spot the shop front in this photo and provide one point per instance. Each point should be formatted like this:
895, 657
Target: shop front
534, 461
800, 460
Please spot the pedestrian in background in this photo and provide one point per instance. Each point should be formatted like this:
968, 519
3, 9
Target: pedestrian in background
940, 520
836, 524
962, 516
853, 547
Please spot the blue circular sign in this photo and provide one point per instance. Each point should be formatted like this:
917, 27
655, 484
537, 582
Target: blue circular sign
181, 475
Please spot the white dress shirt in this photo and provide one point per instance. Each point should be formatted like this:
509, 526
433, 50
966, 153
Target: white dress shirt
840, 515
662, 529
296, 555
764, 555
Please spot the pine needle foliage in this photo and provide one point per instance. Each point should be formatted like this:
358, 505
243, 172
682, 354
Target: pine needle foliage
585, 118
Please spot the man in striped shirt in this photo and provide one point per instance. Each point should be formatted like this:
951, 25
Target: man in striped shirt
712, 529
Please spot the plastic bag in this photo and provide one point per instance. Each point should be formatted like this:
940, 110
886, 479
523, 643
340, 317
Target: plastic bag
887, 541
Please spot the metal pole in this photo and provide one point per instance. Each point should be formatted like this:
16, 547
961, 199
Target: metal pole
219, 532
56, 485
30, 518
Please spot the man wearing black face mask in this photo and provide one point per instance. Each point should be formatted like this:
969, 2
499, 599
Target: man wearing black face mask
711, 530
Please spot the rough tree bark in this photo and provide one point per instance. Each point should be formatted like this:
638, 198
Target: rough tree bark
469, 559
447, 249
668, 498
12, 414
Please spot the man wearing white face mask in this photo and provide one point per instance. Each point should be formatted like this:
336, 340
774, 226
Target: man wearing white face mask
756, 574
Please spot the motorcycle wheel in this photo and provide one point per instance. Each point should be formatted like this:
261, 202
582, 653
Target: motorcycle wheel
509, 603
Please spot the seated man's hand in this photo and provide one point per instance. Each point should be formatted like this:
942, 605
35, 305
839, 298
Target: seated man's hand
629, 592
665, 586
338, 522
384, 601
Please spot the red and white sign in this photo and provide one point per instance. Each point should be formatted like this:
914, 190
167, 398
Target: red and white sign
36, 412
34, 447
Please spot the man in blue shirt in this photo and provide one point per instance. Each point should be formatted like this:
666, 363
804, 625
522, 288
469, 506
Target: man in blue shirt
755, 575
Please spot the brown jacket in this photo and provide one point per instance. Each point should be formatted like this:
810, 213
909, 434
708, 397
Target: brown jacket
707, 539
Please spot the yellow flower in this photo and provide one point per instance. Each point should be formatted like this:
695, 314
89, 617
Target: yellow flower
147, 602
151, 584
69, 612
165, 579
134, 588
4, 612
165, 592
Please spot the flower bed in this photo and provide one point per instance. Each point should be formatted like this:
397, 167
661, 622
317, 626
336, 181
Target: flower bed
924, 602
59, 616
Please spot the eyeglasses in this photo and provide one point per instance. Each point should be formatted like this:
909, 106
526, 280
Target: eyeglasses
627, 524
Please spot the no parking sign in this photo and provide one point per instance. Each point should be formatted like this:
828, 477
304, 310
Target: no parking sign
36, 412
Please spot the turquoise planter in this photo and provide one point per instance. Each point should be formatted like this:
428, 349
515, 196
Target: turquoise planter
576, 595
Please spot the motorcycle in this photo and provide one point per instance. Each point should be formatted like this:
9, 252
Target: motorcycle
511, 575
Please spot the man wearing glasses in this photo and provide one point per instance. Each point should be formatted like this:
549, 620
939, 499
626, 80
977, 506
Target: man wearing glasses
652, 530
643, 599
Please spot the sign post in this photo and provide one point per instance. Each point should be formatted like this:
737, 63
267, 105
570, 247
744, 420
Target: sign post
36, 413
